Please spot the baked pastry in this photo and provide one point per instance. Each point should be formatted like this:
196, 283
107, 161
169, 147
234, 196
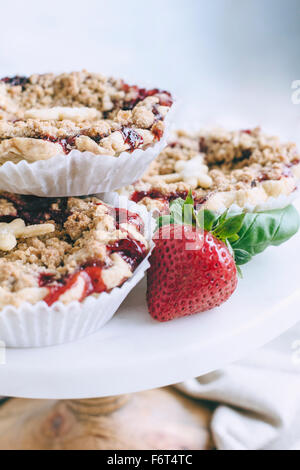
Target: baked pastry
65, 249
221, 168
44, 115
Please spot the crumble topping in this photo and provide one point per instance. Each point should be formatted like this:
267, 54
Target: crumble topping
65, 249
221, 168
9, 232
43, 115
59, 113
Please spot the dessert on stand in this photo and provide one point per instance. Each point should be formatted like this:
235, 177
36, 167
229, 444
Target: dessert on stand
190, 266
58, 133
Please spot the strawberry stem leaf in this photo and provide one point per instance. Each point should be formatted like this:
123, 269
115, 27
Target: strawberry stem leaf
241, 257
189, 201
228, 228
207, 220
240, 272
245, 234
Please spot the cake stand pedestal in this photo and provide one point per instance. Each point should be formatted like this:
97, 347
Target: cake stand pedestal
153, 420
134, 353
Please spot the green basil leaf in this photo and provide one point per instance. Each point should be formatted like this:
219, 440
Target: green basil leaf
288, 227
264, 229
241, 257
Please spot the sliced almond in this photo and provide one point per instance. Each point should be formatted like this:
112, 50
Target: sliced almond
37, 230
61, 113
119, 271
7, 241
276, 188
171, 178
16, 227
25, 148
86, 144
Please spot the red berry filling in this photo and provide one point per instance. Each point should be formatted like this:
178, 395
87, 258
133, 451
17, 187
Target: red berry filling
16, 81
165, 98
295, 162
34, 210
246, 131
137, 196
132, 251
93, 284
158, 133
202, 145
122, 216
67, 144
132, 138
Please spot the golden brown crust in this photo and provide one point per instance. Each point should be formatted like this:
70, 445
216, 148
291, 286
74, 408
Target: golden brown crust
110, 115
221, 168
84, 230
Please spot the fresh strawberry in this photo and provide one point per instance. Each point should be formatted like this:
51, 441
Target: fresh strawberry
181, 281
192, 269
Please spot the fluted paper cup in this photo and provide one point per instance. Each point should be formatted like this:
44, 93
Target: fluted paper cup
80, 173
40, 325
272, 203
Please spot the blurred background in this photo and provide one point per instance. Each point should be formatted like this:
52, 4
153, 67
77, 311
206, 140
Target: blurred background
229, 62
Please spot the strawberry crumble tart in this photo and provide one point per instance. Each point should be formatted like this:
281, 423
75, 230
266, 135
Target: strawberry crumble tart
65, 249
45, 115
221, 168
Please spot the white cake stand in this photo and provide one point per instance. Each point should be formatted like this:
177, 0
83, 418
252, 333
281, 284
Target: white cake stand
134, 352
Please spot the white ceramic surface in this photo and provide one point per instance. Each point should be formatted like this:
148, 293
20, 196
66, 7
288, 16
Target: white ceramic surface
133, 352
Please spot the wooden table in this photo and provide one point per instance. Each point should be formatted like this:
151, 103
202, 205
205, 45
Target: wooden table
151, 420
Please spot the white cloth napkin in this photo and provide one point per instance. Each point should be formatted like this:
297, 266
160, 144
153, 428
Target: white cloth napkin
258, 399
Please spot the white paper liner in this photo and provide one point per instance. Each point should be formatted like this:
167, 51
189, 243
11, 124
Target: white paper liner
80, 172
39, 325
270, 204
